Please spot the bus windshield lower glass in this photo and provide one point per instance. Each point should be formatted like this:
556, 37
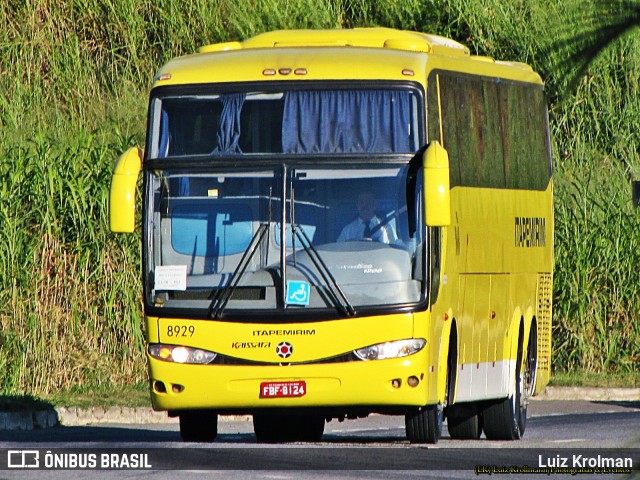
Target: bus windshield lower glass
217, 242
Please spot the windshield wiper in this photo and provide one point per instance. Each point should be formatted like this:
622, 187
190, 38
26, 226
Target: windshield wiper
222, 295
338, 296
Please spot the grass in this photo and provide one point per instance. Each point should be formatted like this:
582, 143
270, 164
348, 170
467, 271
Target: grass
70, 313
595, 380
126, 395
19, 403
75, 78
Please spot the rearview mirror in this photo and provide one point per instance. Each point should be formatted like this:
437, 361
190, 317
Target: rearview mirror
437, 201
122, 198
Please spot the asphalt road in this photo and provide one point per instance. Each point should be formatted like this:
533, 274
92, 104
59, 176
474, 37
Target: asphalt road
374, 447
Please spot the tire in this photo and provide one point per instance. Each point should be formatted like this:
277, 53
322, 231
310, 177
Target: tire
503, 420
198, 426
277, 428
464, 422
310, 428
424, 425
507, 419
265, 429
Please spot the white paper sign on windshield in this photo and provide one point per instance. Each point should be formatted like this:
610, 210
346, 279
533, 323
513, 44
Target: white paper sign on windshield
171, 277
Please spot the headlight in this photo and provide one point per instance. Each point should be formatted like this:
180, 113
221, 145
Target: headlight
397, 349
179, 354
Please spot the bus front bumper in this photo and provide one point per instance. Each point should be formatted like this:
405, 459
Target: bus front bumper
387, 383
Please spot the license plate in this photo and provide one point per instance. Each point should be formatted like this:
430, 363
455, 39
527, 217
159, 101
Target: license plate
283, 389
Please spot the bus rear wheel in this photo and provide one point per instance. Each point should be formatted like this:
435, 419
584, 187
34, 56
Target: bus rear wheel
464, 422
506, 419
275, 428
198, 426
424, 425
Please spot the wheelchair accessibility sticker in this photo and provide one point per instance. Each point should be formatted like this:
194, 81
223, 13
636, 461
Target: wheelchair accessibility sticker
298, 293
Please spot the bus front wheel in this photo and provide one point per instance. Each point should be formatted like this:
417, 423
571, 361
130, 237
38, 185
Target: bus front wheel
424, 425
198, 426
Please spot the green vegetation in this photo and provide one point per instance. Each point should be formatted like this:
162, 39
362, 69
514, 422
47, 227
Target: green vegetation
582, 378
74, 78
17, 403
133, 395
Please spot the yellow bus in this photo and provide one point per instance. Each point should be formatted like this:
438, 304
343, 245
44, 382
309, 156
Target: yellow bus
340, 223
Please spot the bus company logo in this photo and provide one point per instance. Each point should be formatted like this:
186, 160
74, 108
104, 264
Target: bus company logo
281, 332
530, 232
284, 349
245, 345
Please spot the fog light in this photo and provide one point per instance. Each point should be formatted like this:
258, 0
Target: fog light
396, 382
175, 388
413, 381
159, 387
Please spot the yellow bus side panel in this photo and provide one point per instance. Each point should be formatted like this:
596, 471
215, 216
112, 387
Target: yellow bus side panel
497, 274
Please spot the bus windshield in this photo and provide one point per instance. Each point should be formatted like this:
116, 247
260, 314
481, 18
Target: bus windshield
217, 243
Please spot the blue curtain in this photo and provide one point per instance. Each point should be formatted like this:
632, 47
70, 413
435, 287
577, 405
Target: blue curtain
229, 126
366, 121
163, 148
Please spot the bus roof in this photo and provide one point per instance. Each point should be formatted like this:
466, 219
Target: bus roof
366, 53
357, 37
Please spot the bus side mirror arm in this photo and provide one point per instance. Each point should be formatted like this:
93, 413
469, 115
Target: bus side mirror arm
437, 199
122, 197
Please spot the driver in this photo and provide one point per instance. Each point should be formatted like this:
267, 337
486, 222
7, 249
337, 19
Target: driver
367, 226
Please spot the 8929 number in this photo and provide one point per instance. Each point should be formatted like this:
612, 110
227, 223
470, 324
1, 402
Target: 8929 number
180, 330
